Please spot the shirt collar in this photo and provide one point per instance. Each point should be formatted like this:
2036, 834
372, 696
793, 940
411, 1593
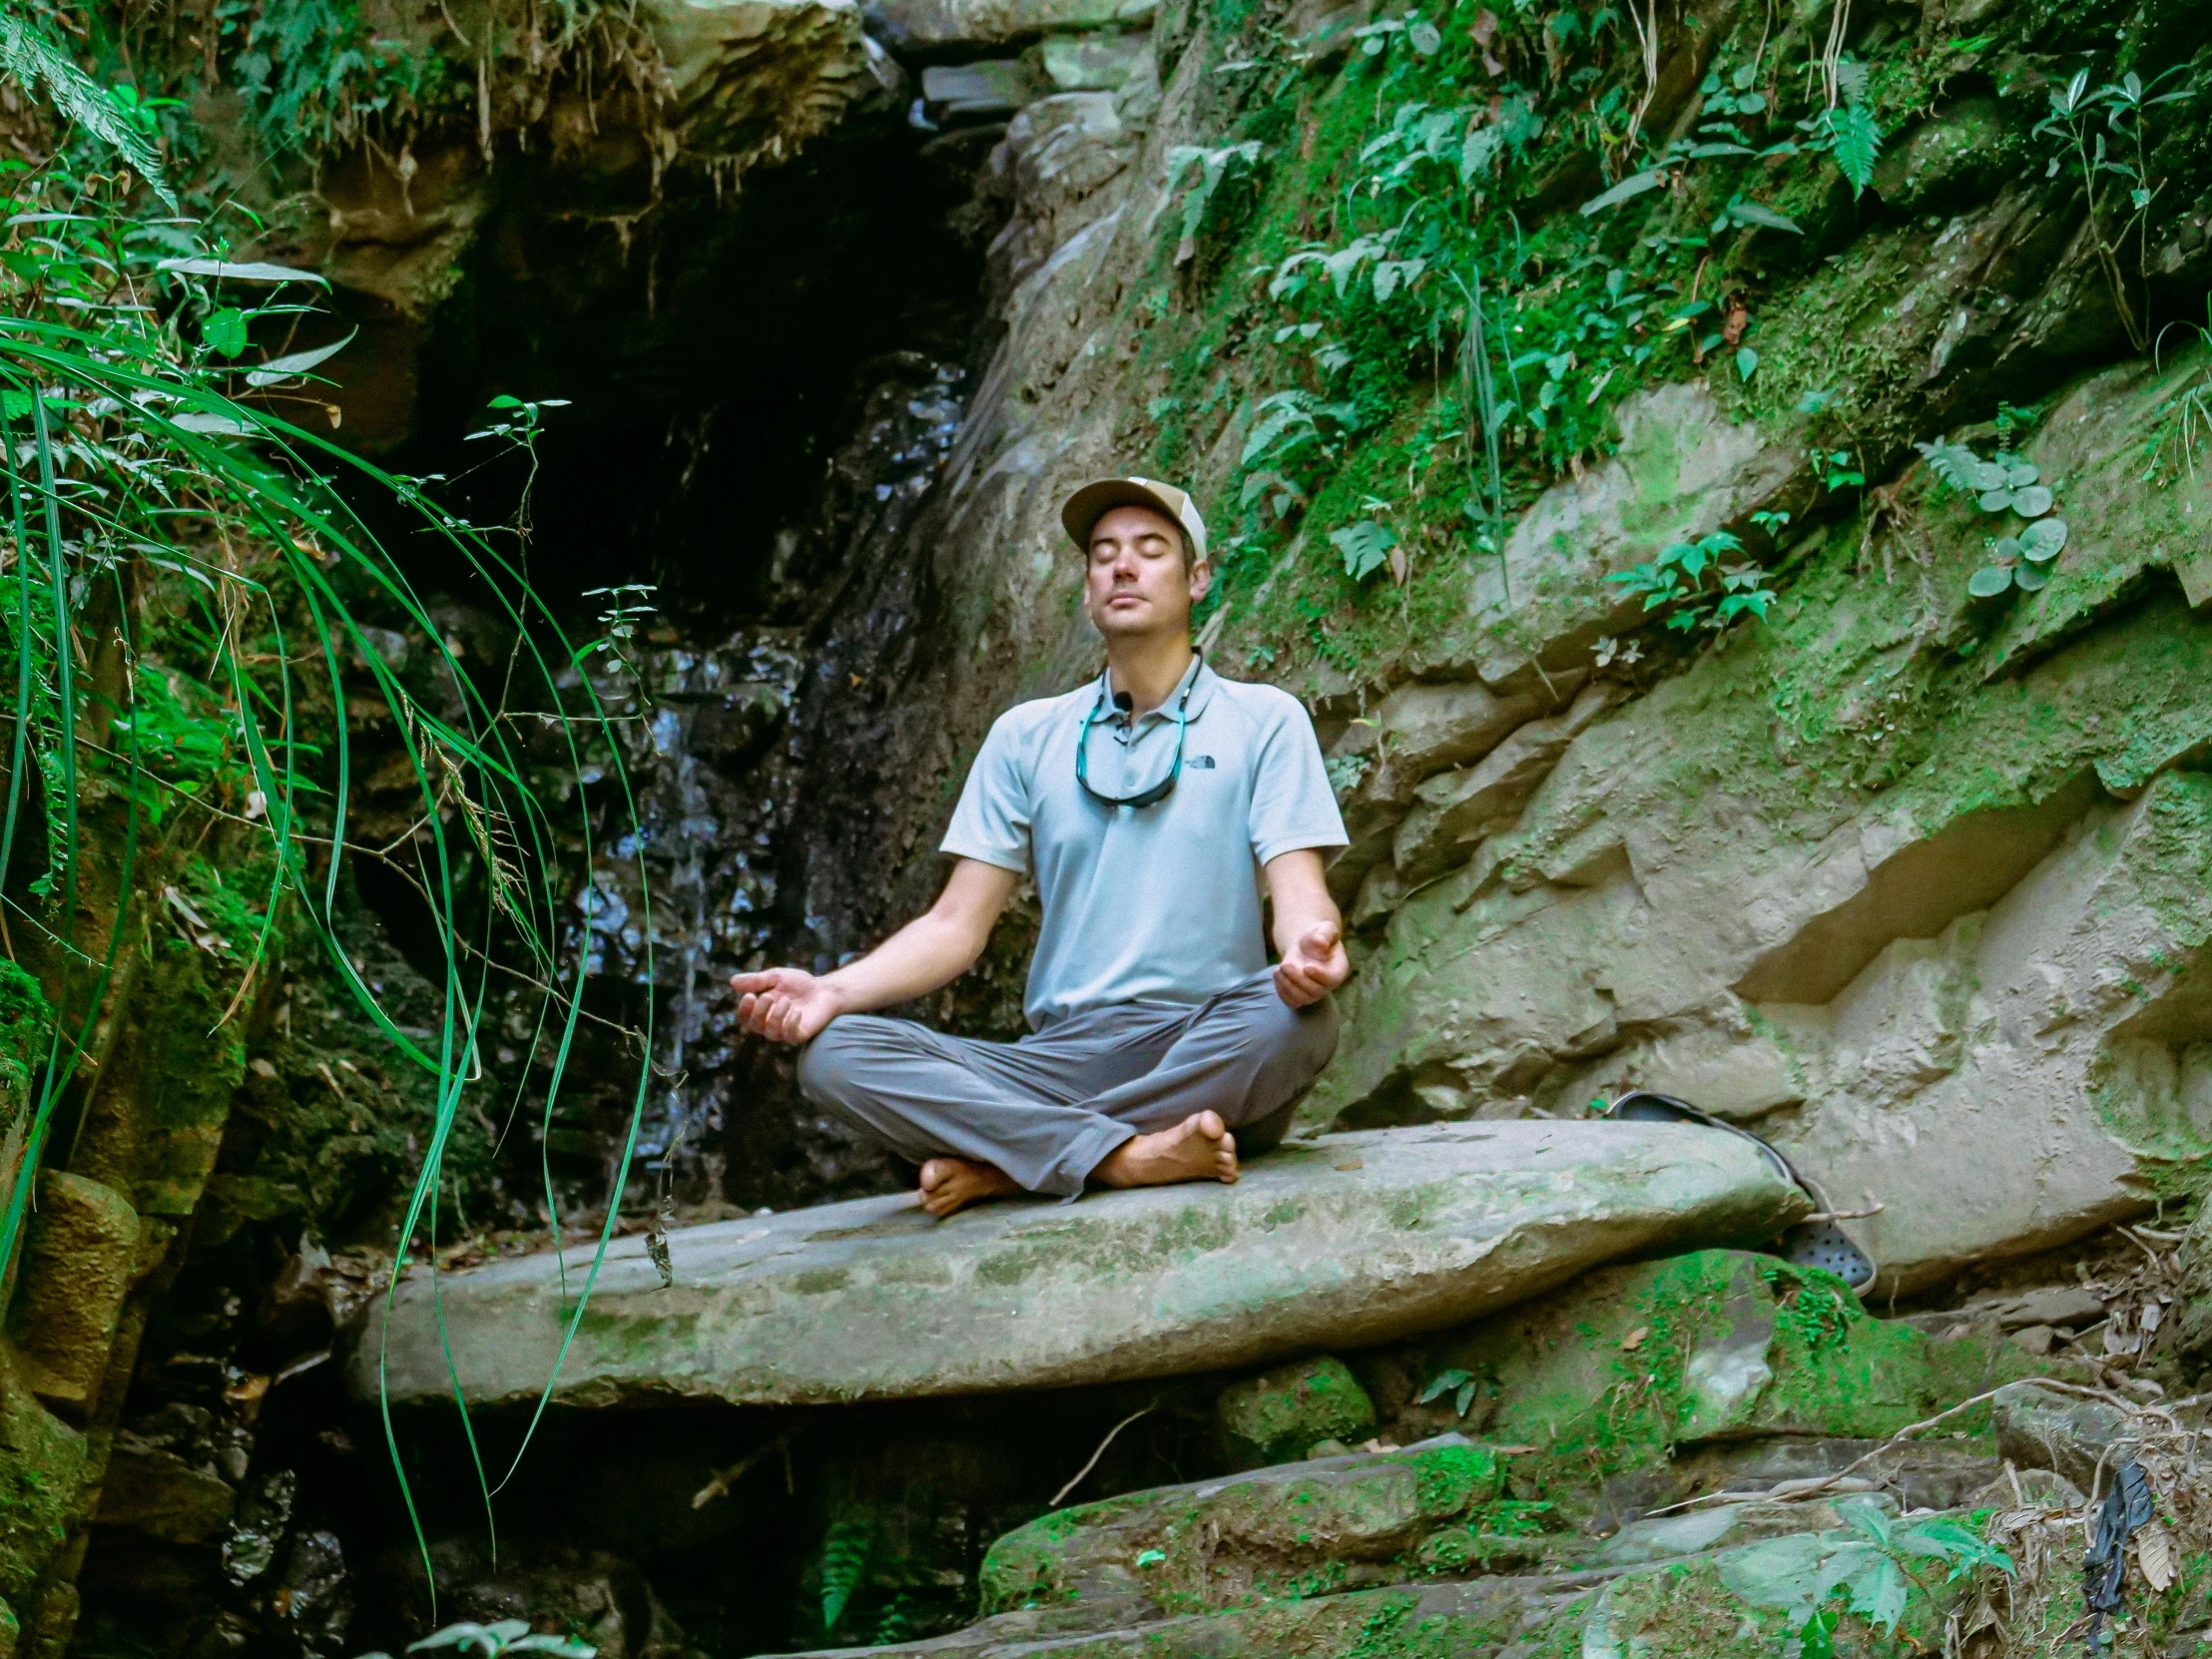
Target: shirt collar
1200, 677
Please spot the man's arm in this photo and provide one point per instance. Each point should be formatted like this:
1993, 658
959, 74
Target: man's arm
1309, 934
789, 1005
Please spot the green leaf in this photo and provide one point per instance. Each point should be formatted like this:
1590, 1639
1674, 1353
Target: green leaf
253, 272
1627, 191
1876, 1591
1988, 581
225, 330
2043, 540
1856, 143
2020, 475
1443, 1384
2033, 501
297, 363
1366, 547
1747, 361
1994, 501
1756, 213
1423, 38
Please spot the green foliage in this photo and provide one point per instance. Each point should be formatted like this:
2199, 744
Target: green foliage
1690, 583
1207, 169
1848, 130
184, 601
2114, 167
312, 70
845, 1549
1454, 1381
2009, 485
1873, 1573
1366, 546
118, 118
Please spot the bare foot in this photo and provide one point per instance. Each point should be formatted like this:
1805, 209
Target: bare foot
1199, 1148
949, 1184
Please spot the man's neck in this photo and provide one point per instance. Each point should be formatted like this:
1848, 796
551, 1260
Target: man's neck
1149, 670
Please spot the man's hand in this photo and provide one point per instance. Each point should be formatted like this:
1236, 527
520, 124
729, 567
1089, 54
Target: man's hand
786, 1005
1315, 966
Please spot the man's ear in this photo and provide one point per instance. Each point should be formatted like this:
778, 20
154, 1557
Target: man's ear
1202, 579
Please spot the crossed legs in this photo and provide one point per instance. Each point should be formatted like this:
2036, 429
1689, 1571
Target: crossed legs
1140, 1094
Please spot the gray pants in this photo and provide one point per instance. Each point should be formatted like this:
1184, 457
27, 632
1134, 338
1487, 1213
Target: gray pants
1049, 1108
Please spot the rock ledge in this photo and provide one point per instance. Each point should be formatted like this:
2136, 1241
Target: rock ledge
1350, 1240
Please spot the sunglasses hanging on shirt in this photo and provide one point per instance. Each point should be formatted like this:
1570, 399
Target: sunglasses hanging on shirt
1166, 786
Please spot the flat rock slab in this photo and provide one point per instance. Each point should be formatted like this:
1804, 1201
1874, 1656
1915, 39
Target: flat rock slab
1350, 1240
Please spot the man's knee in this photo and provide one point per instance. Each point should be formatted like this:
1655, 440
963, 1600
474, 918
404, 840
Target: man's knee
1295, 1041
841, 1056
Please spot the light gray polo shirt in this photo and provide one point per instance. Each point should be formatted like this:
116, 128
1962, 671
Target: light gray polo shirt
1163, 901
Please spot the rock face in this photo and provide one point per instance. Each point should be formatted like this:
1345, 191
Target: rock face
1911, 878
1357, 1238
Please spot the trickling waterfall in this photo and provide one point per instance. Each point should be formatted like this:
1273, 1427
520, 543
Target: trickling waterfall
714, 744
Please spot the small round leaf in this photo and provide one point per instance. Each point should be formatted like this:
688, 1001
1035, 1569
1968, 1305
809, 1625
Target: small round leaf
1988, 475
2043, 540
2020, 475
2030, 578
1988, 581
1994, 501
1423, 38
2007, 547
1751, 103
2032, 502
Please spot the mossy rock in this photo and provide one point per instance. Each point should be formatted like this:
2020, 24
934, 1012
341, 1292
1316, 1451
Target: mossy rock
1283, 1413
1296, 1530
1671, 1608
1628, 1362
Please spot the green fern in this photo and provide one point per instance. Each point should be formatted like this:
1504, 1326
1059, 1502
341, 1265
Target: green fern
845, 1558
1855, 139
27, 54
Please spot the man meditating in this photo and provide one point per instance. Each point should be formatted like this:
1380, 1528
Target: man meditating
1150, 803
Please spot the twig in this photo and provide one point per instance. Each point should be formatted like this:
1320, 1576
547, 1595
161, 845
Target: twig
1100, 1452
1840, 1215
720, 1484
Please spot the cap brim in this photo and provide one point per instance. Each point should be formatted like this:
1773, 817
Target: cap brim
1080, 516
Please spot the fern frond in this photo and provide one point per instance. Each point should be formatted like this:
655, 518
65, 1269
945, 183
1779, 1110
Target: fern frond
27, 54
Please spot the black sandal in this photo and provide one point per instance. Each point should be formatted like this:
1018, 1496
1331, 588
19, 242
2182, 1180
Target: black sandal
1810, 1243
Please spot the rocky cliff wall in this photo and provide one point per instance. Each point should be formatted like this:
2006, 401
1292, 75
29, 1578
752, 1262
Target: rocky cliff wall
1911, 878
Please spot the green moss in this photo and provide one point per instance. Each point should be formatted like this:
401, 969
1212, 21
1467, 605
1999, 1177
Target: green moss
1276, 1416
1629, 1363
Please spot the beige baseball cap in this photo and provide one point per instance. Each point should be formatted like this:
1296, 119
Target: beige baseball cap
1095, 500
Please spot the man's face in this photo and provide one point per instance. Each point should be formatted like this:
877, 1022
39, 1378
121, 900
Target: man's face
1136, 582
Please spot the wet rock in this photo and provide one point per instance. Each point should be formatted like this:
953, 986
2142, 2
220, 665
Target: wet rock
314, 1598
1301, 1529
258, 1526
591, 1596
2041, 1427
159, 1493
1283, 1413
1356, 1239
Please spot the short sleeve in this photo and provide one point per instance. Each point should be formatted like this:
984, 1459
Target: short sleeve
1292, 806
992, 823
